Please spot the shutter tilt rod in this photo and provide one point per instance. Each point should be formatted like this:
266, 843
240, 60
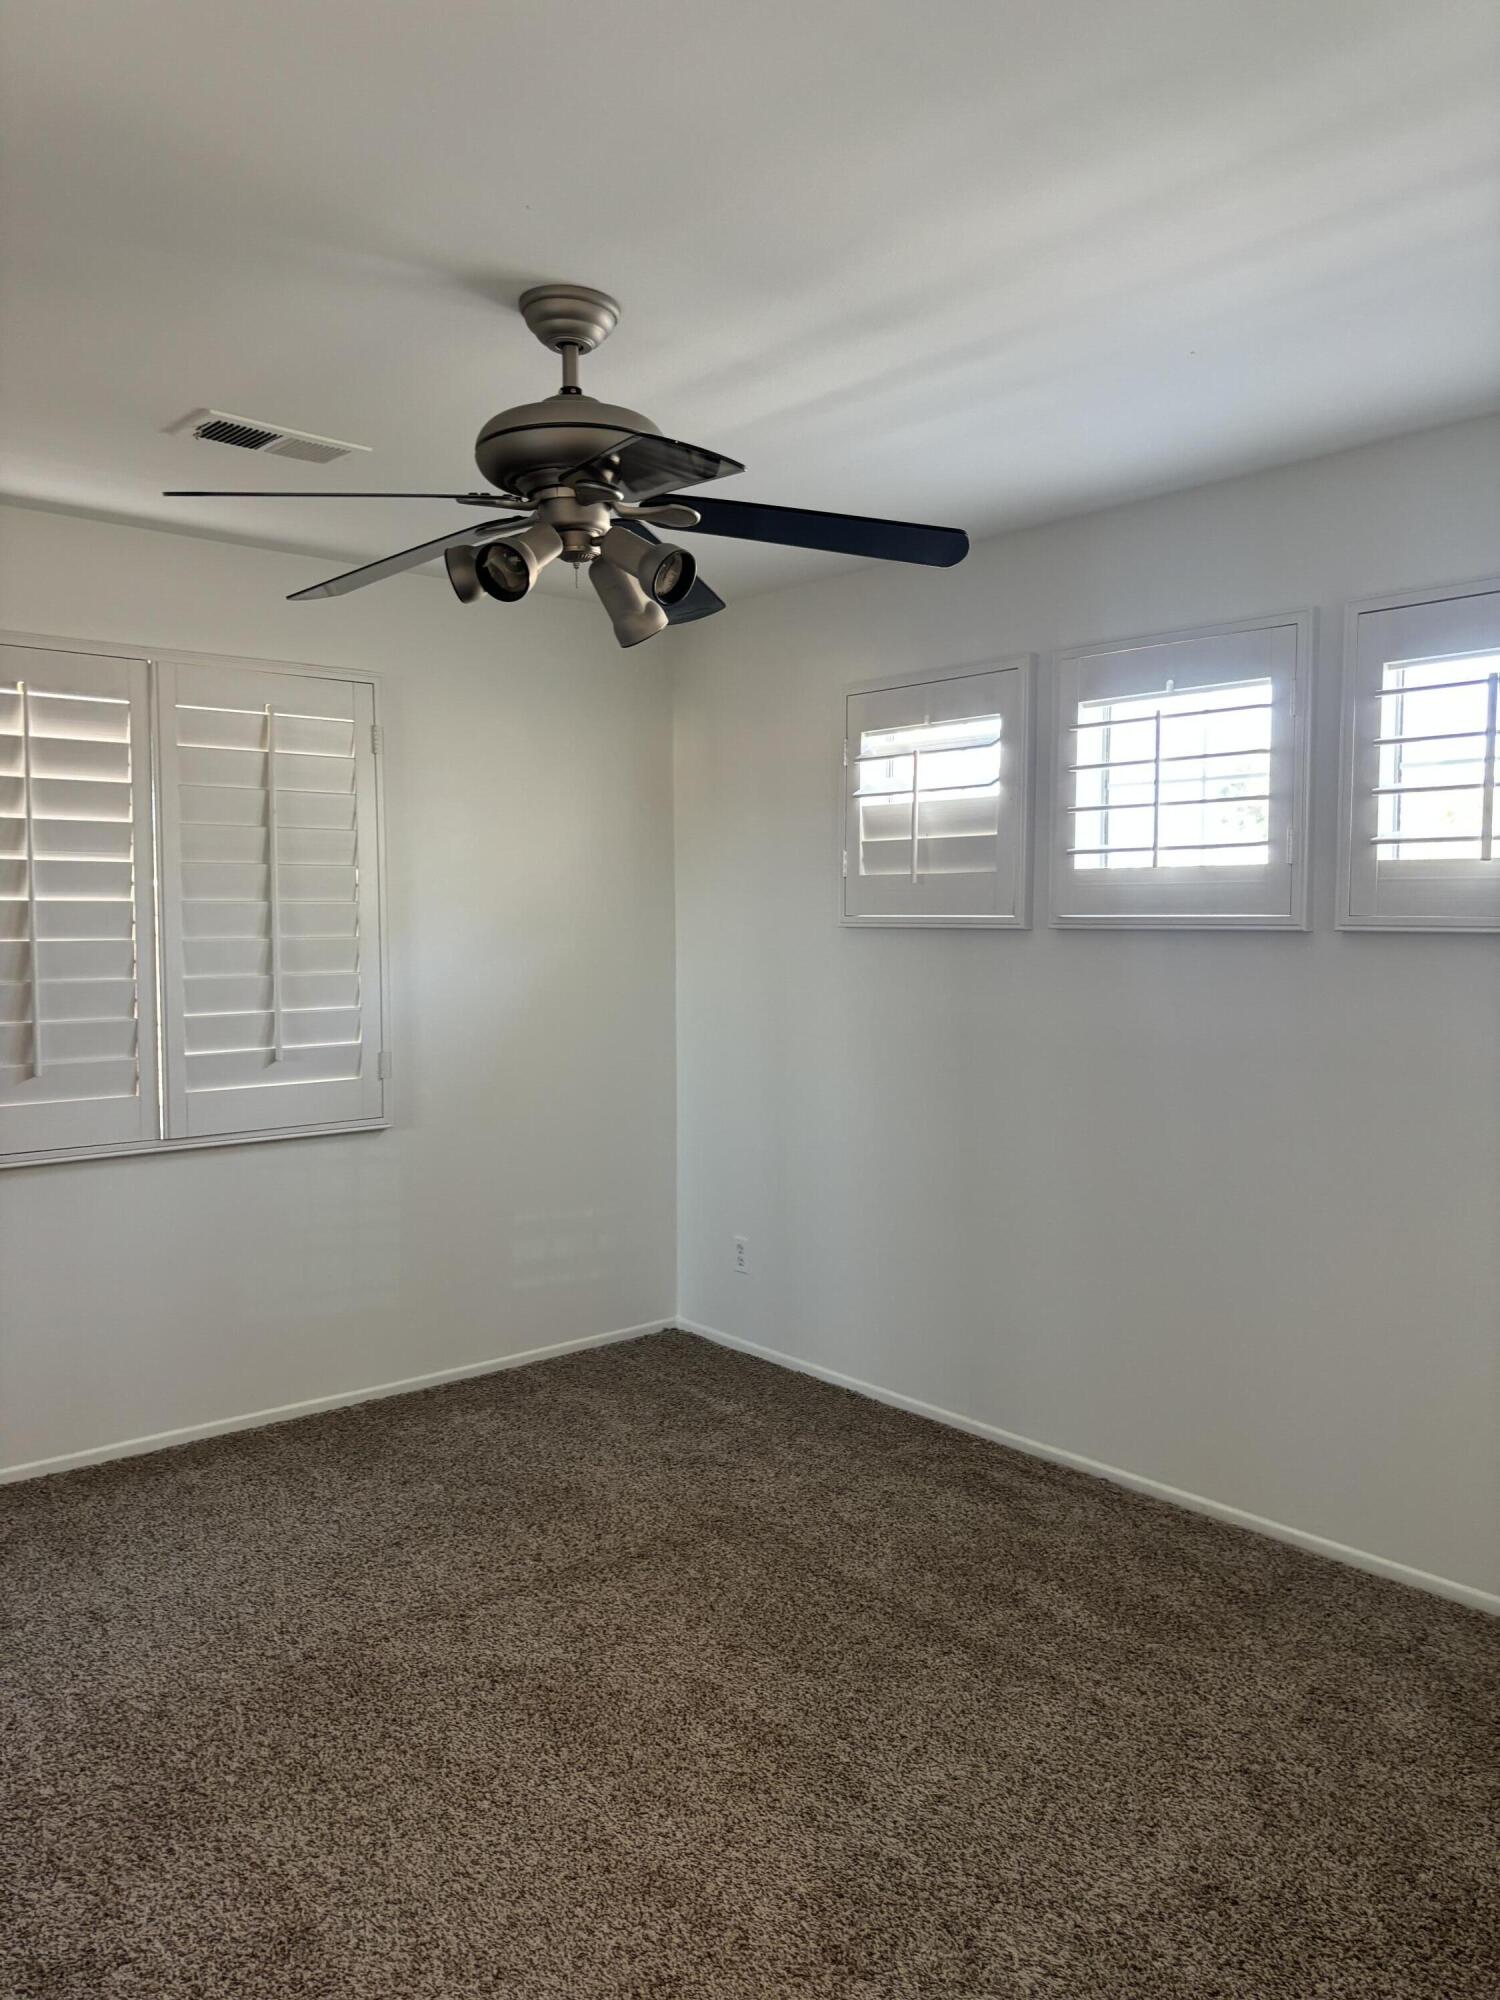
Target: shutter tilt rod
28, 835
274, 895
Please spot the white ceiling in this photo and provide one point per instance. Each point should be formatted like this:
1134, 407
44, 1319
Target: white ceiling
972, 261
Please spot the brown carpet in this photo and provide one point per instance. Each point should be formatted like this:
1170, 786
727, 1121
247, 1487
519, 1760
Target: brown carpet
659, 1671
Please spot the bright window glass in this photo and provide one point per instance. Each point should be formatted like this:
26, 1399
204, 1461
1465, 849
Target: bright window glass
1175, 779
1435, 782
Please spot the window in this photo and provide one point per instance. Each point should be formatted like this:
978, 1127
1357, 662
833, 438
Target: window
1420, 831
935, 799
260, 882
1181, 774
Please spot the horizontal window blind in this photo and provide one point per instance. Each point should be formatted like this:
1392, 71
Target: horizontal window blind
1180, 780
935, 799
1421, 834
270, 913
77, 1029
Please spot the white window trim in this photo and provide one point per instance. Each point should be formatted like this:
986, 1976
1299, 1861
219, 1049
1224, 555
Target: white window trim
1345, 918
1024, 666
1296, 917
160, 655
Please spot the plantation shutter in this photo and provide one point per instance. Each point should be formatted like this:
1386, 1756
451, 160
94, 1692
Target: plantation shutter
1181, 780
935, 800
270, 901
1421, 830
77, 979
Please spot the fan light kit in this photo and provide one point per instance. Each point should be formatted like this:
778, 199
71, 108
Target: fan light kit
588, 483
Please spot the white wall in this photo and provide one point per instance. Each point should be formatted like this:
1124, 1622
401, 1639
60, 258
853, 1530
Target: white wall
525, 1196
1220, 1210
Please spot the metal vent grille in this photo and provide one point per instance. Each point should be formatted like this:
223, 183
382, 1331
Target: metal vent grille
247, 434
219, 430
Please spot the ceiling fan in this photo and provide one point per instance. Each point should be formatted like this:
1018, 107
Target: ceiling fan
588, 483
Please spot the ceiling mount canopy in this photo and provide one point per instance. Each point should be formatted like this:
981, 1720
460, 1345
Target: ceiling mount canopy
569, 316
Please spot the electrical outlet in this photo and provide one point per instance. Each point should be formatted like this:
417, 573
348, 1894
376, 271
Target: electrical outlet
742, 1256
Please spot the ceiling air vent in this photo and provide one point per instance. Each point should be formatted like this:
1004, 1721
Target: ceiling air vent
246, 434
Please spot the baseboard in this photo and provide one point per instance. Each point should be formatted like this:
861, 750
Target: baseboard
1197, 1503
344, 1399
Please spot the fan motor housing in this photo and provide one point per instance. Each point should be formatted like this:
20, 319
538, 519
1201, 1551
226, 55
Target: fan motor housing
527, 448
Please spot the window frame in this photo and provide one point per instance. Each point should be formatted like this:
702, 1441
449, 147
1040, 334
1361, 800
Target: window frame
1019, 807
154, 657
1483, 916
1129, 906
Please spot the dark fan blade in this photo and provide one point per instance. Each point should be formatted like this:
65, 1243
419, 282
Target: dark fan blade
700, 602
356, 579
645, 466
841, 534
258, 493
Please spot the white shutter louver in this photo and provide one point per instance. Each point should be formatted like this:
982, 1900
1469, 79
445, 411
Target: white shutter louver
77, 977
270, 904
935, 799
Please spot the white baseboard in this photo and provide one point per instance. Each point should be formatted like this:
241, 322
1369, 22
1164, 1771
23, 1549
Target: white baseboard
345, 1398
1198, 1503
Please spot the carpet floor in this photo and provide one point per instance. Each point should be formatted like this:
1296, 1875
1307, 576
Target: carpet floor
657, 1671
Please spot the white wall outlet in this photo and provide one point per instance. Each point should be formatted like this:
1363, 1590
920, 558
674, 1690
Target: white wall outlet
742, 1256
